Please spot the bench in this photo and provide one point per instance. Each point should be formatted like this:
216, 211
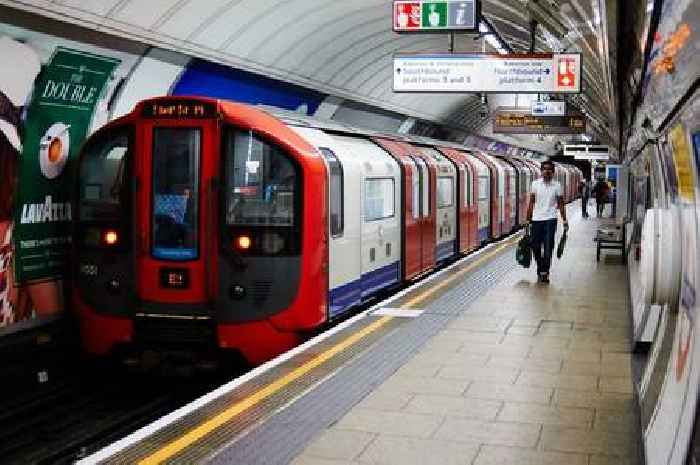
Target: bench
611, 238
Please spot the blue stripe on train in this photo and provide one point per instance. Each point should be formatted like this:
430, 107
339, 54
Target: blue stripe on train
353, 293
444, 250
483, 234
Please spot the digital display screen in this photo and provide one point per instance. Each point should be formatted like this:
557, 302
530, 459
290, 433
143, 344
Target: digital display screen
176, 109
523, 123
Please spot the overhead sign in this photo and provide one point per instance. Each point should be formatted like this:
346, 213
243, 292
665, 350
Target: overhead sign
544, 73
587, 152
436, 16
549, 108
522, 122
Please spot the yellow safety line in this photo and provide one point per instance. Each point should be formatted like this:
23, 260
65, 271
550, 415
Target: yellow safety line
208, 426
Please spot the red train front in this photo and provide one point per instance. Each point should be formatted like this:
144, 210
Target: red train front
190, 231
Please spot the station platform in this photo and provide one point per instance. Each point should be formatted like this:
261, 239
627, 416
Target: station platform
477, 365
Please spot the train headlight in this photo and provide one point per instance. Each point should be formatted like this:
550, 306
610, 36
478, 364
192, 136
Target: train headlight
110, 237
243, 242
272, 243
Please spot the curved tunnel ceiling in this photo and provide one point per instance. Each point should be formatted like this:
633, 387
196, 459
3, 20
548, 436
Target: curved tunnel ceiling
344, 48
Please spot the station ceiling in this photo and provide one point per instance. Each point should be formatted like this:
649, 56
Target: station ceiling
345, 48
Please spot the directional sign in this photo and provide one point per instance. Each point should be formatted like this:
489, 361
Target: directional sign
549, 108
587, 152
522, 122
436, 16
544, 73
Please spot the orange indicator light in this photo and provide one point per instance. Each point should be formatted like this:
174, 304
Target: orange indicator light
111, 237
243, 242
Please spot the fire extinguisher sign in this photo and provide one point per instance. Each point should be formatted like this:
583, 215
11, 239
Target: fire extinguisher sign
567, 72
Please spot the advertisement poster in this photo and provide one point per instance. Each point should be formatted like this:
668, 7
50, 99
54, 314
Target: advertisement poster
57, 119
65, 95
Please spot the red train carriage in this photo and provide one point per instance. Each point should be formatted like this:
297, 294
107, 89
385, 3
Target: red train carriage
205, 225
173, 243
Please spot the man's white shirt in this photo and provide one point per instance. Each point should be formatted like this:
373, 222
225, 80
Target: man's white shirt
545, 199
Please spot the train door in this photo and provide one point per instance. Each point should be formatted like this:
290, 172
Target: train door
426, 183
483, 199
471, 196
499, 197
176, 213
461, 203
380, 227
445, 203
411, 202
344, 228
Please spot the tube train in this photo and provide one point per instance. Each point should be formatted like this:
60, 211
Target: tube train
227, 226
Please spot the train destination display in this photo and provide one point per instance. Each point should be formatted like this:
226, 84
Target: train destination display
488, 72
522, 122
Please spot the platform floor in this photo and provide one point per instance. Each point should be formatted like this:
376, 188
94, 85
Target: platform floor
527, 374
477, 365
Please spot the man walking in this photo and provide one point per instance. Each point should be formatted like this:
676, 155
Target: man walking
585, 192
545, 198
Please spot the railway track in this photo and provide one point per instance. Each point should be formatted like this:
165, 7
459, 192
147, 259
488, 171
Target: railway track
87, 411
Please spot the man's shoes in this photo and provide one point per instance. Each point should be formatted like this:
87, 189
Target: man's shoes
545, 278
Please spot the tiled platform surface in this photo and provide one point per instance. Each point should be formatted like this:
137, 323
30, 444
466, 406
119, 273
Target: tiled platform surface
530, 374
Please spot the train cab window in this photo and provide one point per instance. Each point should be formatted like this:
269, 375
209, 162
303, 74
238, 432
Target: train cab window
176, 158
261, 195
379, 198
445, 191
260, 181
103, 177
336, 192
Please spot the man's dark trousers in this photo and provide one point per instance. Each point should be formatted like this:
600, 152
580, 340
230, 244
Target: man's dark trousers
584, 206
543, 234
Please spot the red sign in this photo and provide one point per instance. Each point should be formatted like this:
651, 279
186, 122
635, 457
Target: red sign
407, 15
566, 72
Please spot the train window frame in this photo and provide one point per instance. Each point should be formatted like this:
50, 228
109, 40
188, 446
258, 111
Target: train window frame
293, 232
467, 182
335, 179
368, 181
415, 186
440, 186
196, 189
424, 172
111, 133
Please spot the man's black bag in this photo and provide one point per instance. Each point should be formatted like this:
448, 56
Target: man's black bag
523, 253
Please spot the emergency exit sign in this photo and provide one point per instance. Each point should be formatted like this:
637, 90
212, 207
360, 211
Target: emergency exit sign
436, 16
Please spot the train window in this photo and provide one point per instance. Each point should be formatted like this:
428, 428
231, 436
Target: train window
176, 155
261, 182
379, 198
335, 170
445, 191
424, 177
467, 185
483, 187
415, 182
104, 187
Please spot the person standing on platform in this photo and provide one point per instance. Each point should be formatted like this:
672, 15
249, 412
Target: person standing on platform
545, 198
585, 191
600, 191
